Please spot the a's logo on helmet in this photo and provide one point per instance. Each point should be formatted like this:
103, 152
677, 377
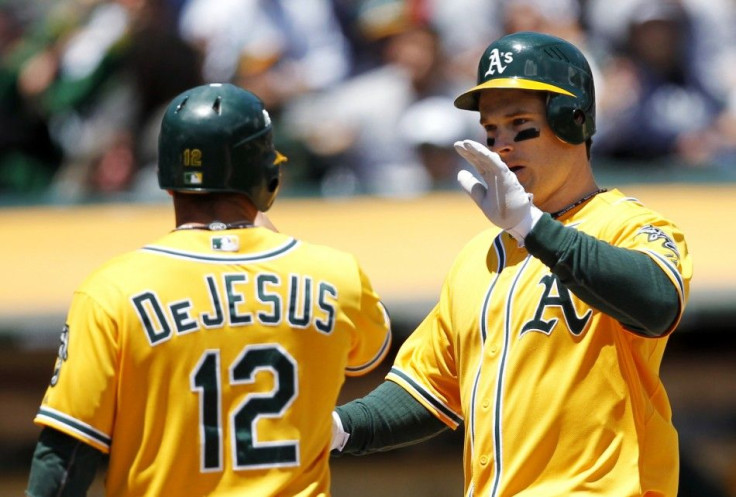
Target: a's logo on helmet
498, 62
266, 118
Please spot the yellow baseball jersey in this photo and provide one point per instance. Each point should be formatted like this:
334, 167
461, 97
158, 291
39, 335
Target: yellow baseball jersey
556, 397
208, 363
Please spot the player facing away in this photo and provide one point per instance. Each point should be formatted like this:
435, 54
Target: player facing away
209, 361
551, 325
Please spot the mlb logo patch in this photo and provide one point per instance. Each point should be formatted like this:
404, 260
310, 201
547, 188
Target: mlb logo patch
226, 243
193, 178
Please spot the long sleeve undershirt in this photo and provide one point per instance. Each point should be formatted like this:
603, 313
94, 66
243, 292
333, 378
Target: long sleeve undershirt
625, 284
62, 466
385, 419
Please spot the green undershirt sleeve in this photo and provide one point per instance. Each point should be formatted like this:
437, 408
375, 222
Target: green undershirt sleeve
625, 284
62, 466
385, 419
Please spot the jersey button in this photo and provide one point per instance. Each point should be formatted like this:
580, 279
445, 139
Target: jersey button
486, 403
483, 460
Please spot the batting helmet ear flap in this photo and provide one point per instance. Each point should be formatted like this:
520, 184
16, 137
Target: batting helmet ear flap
570, 122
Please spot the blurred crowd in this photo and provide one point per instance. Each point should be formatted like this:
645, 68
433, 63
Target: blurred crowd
360, 91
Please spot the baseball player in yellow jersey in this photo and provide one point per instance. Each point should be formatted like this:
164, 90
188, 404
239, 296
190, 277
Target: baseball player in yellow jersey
548, 335
208, 362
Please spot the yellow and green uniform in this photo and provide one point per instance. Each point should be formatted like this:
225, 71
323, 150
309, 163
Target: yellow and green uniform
208, 363
553, 370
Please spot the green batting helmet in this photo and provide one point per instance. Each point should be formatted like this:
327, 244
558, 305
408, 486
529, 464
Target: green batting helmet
540, 62
218, 138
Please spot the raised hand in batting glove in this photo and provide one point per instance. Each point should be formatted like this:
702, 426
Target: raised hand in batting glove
502, 199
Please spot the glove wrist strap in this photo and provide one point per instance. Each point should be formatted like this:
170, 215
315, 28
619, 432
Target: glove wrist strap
525, 226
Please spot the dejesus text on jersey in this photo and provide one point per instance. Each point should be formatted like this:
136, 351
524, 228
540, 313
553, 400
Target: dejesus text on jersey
301, 300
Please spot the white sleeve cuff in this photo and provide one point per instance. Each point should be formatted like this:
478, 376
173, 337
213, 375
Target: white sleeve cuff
525, 226
339, 436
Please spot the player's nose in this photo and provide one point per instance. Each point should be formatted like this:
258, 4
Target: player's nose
502, 142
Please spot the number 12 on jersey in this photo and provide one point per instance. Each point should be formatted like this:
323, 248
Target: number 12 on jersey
247, 451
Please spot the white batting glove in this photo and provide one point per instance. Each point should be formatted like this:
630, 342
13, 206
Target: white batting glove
502, 199
339, 435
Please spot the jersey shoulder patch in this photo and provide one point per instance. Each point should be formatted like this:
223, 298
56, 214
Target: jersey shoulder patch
655, 235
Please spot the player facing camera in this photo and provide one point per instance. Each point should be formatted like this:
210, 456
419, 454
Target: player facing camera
552, 322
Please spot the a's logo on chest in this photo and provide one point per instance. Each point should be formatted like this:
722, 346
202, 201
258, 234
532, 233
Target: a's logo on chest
556, 296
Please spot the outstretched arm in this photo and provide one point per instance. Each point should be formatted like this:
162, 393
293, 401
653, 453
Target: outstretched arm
385, 419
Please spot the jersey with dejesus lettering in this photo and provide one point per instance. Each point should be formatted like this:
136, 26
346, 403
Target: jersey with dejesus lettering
208, 363
557, 397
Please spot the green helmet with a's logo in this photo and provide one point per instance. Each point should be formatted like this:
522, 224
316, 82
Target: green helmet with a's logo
219, 138
540, 62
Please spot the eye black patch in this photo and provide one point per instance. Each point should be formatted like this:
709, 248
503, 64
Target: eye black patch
490, 141
527, 134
